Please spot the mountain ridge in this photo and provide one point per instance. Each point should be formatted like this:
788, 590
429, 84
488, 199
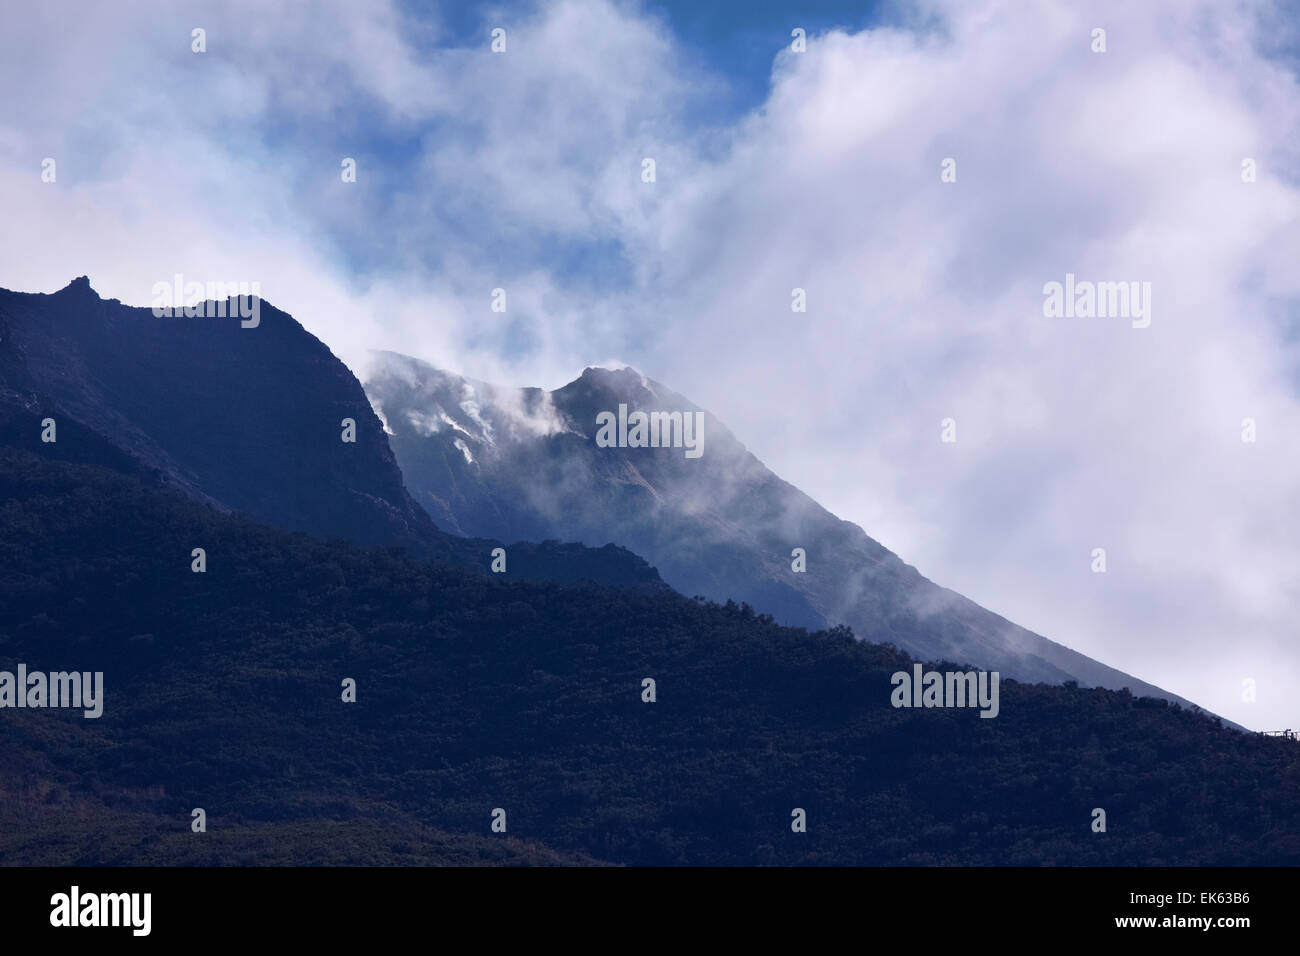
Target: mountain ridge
246, 420
723, 526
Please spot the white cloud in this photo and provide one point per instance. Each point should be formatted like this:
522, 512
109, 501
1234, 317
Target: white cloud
925, 302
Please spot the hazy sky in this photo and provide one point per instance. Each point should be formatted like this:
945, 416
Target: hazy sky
774, 169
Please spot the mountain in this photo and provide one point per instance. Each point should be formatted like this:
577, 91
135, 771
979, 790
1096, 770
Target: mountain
221, 690
485, 460
246, 419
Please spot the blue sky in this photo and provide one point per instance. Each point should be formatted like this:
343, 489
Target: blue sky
736, 40
776, 170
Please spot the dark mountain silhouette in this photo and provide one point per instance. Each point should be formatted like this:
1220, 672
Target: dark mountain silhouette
222, 691
246, 419
484, 460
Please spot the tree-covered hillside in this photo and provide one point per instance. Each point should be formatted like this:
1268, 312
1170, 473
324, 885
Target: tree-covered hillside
223, 691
